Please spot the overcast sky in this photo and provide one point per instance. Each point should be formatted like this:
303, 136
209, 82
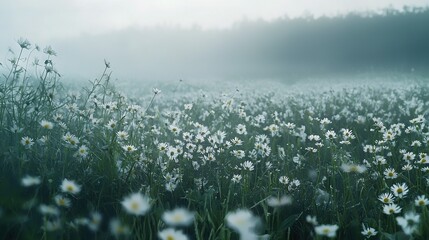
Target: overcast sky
42, 20
77, 29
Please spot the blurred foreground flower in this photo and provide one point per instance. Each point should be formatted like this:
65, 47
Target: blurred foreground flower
329, 231
353, 168
172, 234
242, 221
69, 186
409, 222
119, 229
29, 181
278, 202
136, 204
178, 217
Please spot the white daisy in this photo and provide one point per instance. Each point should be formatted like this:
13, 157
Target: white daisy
178, 217
136, 204
69, 186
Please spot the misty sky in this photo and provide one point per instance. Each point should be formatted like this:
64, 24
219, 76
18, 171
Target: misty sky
43, 20
126, 32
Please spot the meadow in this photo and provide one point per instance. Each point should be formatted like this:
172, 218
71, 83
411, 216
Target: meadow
101, 162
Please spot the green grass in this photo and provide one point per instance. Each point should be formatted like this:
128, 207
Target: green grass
204, 175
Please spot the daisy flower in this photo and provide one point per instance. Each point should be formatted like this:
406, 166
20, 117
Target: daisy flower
117, 228
82, 152
236, 178
46, 124
368, 231
70, 140
390, 173
174, 129
391, 209
49, 210
172, 152
111, 124
329, 231
172, 234
24, 43
42, 140
407, 167
278, 202
27, 142
241, 220
247, 165
69, 186
312, 220
284, 180
16, 129
294, 184
399, 190
51, 225
62, 201
178, 217
421, 201
424, 158
347, 134
409, 222
156, 91
408, 156
241, 129
94, 221
162, 147
136, 204
330, 135
353, 168
122, 135
386, 198
129, 148
325, 121
29, 181
188, 106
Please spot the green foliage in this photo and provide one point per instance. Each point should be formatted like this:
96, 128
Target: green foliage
212, 155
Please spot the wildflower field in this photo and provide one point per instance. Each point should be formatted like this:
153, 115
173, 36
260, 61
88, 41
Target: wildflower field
96, 162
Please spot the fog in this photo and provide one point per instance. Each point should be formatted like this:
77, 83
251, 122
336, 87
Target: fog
284, 49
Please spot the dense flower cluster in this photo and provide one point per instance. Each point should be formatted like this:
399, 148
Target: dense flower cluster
243, 164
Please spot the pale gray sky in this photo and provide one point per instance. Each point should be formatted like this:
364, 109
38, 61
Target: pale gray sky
42, 20
84, 32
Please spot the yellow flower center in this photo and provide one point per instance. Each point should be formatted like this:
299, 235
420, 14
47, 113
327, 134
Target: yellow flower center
169, 237
120, 229
177, 218
70, 188
135, 206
